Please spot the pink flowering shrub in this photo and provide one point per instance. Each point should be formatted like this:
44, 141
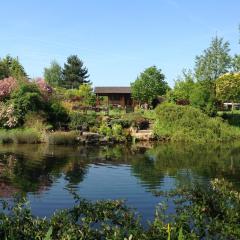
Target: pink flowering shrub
7, 85
45, 89
8, 118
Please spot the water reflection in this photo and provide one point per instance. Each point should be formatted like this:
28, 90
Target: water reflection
111, 172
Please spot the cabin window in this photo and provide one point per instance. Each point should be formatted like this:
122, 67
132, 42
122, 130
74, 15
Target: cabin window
115, 97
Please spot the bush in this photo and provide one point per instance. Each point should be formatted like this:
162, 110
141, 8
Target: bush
57, 114
105, 130
81, 121
27, 98
186, 123
62, 138
123, 122
137, 120
202, 212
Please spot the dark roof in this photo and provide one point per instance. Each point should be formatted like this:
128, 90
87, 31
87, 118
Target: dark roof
102, 90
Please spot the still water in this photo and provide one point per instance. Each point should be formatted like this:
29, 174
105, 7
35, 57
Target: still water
48, 174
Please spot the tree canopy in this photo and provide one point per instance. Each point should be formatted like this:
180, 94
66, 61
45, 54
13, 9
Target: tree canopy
74, 72
149, 85
53, 75
228, 87
214, 61
11, 67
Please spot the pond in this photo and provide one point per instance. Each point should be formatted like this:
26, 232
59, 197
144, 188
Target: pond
49, 174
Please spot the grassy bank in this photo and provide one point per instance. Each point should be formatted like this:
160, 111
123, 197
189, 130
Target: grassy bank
189, 124
21, 136
212, 214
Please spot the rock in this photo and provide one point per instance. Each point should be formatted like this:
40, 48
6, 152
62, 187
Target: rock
89, 137
143, 135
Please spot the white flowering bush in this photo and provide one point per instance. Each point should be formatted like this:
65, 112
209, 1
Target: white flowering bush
8, 118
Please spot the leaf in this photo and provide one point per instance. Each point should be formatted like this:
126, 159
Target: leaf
180, 235
49, 234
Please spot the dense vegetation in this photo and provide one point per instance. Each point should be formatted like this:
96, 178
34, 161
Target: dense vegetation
212, 214
186, 123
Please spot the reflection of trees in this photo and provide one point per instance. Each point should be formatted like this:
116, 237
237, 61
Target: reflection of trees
187, 162
35, 167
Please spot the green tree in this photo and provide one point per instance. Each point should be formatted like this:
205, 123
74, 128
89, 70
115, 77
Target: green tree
4, 71
183, 87
149, 85
74, 72
228, 87
86, 91
214, 61
236, 63
12, 67
26, 98
53, 74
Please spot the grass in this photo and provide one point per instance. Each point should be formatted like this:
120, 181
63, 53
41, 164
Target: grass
62, 138
20, 136
188, 124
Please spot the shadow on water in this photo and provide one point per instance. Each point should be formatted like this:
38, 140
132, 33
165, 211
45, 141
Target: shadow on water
130, 172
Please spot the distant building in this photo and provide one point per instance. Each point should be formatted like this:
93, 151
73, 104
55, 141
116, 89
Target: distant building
117, 96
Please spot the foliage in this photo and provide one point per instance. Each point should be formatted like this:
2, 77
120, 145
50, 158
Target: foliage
7, 86
84, 94
214, 61
149, 85
74, 72
53, 75
21, 136
228, 87
236, 63
186, 123
8, 116
79, 120
183, 87
232, 118
44, 88
62, 138
201, 213
105, 130
11, 67
26, 98
203, 97
137, 120
56, 114
123, 122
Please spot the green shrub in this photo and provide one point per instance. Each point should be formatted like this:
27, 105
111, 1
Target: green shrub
186, 123
202, 212
79, 120
57, 115
62, 138
137, 120
27, 98
105, 130
123, 122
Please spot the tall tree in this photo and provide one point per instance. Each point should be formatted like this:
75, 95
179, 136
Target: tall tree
149, 85
236, 63
236, 60
4, 70
228, 87
74, 72
183, 87
53, 75
214, 61
10, 66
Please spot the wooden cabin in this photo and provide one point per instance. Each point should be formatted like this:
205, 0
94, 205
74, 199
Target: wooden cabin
117, 96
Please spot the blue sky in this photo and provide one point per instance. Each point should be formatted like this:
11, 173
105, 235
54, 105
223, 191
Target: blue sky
117, 39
